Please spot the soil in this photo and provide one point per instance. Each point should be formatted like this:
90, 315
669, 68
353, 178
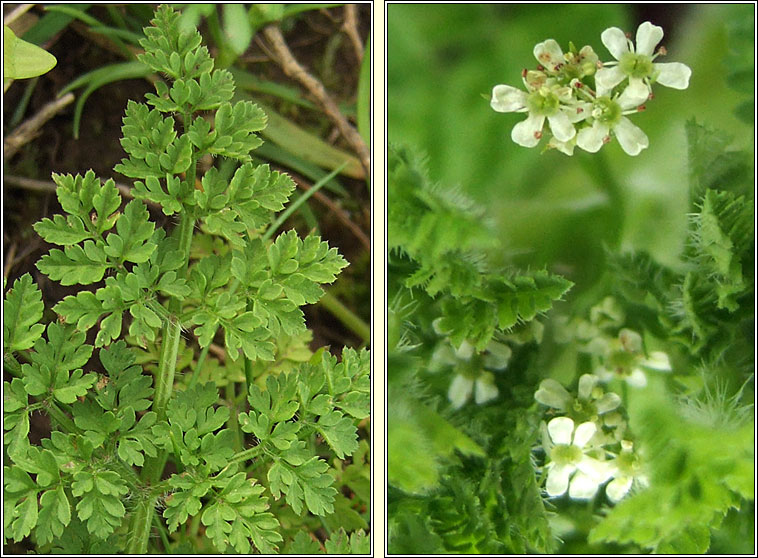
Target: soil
316, 40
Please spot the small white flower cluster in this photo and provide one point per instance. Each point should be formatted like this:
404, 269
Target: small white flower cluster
474, 369
580, 113
589, 446
617, 352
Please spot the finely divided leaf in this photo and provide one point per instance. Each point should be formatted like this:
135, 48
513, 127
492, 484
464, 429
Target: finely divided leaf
22, 310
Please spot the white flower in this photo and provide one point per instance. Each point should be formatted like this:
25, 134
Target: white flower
591, 401
638, 64
545, 102
572, 64
568, 457
483, 387
608, 115
625, 359
627, 470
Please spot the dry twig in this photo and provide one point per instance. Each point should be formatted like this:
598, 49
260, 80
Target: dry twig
351, 29
293, 69
29, 129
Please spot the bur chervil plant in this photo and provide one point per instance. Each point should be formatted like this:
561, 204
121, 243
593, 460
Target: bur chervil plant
527, 417
144, 453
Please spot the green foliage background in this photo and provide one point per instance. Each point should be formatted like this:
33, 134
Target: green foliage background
550, 208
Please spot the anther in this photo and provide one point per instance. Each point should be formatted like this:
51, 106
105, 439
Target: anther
540, 67
607, 139
628, 35
640, 108
538, 134
579, 110
523, 73
650, 97
662, 50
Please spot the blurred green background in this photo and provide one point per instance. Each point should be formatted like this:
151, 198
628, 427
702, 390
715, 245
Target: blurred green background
550, 209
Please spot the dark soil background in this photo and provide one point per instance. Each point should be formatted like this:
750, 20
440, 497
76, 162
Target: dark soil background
311, 36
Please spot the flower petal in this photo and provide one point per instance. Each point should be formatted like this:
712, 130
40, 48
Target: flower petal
607, 403
615, 41
525, 133
631, 138
566, 147
561, 126
637, 378
658, 360
549, 54
560, 430
498, 356
442, 356
598, 471
558, 479
608, 78
485, 389
618, 488
673, 74
634, 95
586, 383
591, 139
460, 391
507, 99
584, 432
465, 351
553, 394
648, 37
630, 340
582, 487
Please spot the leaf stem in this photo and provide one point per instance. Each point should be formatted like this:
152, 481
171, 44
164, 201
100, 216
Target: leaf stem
351, 320
142, 520
247, 454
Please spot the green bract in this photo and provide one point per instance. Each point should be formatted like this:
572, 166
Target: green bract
134, 445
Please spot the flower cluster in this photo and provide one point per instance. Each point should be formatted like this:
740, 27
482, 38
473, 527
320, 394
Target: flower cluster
590, 445
474, 370
580, 112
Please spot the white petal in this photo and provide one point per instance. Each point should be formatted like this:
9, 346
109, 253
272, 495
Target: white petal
561, 126
553, 394
583, 433
507, 99
598, 471
648, 37
615, 41
637, 378
604, 374
630, 340
618, 488
485, 390
524, 132
634, 95
673, 74
498, 357
631, 138
607, 402
460, 391
582, 487
586, 383
442, 356
658, 360
561, 429
566, 147
465, 351
591, 139
608, 78
558, 479
549, 54
436, 326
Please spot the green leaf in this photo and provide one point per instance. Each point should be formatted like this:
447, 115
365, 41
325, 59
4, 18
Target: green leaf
63, 231
84, 310
23, 60
54, 515
235, 126
16, 418
340, 543
134, 228
21, 510
303, 481
302, 545
68, 389
22, 310
76, 265
100, 504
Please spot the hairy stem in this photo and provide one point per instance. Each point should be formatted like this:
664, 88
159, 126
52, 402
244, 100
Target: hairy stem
142, 520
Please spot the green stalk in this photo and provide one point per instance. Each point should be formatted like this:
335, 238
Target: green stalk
346, 316
142, 519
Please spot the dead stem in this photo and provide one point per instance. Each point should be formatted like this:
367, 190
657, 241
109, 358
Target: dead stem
351, 30
293, 69
29, 129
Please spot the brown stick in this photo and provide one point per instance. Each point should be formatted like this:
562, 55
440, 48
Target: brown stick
293, 69
351, 29
29, 129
